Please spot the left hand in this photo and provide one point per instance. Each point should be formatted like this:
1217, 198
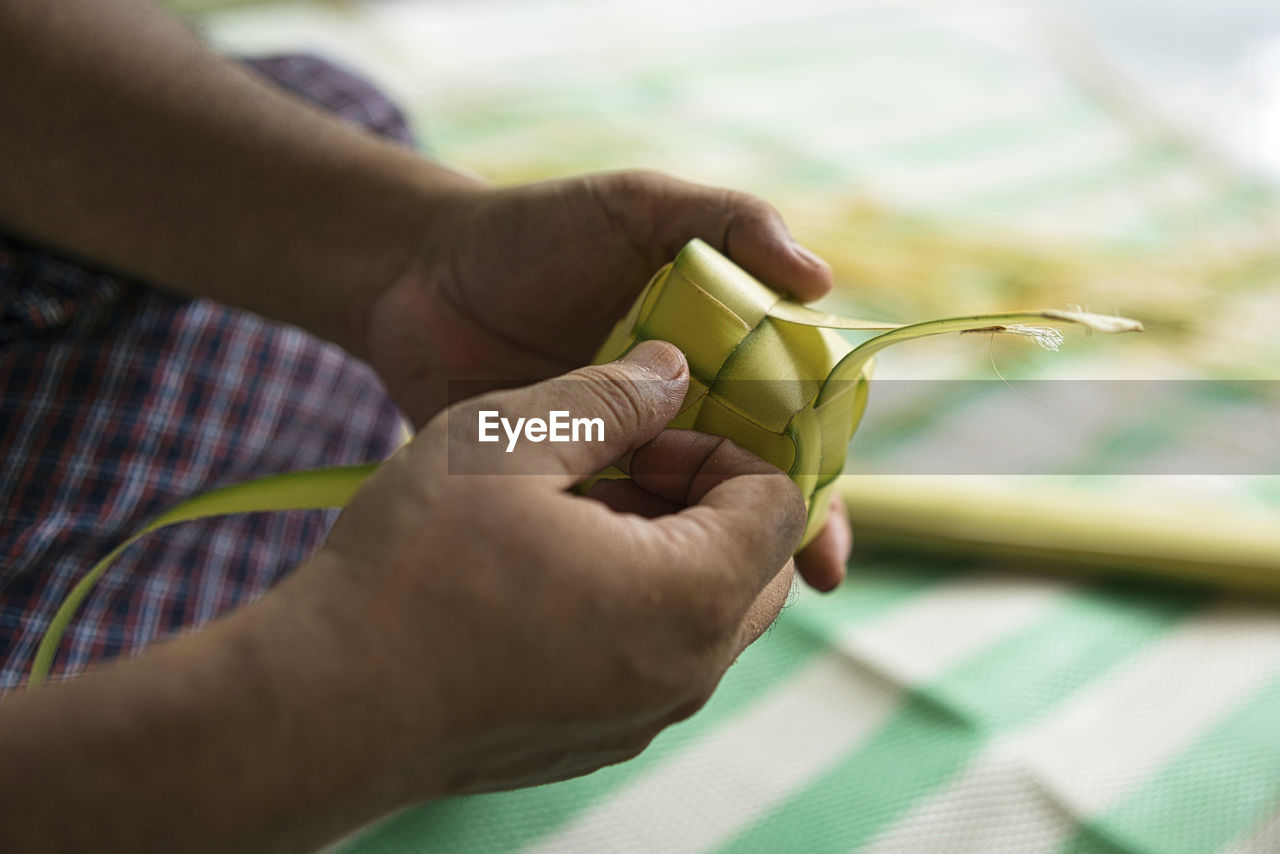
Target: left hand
519, 284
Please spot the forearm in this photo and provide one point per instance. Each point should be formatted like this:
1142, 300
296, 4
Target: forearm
257, 734
127, 141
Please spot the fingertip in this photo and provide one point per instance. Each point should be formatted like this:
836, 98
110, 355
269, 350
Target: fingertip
765, 248
819, 570
816, 273
667, 362
663, 358
838, 515
823, 563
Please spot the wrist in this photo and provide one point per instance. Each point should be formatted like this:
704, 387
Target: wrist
257, 733
353, 694
395, 208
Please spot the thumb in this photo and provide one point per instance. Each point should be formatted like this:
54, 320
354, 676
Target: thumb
573, 426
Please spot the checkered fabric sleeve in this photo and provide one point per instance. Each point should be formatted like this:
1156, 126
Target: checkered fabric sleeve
118, 401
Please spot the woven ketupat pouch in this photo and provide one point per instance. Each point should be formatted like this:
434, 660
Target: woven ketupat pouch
763, 382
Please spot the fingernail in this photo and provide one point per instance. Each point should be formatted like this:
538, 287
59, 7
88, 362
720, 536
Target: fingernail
662, 358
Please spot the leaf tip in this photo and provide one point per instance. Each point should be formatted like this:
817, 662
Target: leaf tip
1098, 322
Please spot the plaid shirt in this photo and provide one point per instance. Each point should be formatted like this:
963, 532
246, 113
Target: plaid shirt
118, 401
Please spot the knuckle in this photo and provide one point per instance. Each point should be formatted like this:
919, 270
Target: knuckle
645, 736
641, 180
718, 615
631, 751
630, 192
637, 743
710, 621
788, 514
692, 706
733, 458
750, 207
658, 679
786, 496
667, 673
777, 511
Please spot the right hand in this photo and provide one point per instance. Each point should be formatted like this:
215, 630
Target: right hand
519, 633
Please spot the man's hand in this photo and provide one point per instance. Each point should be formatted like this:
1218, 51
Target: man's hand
519, 284
456, 633
546, 634
225, 187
